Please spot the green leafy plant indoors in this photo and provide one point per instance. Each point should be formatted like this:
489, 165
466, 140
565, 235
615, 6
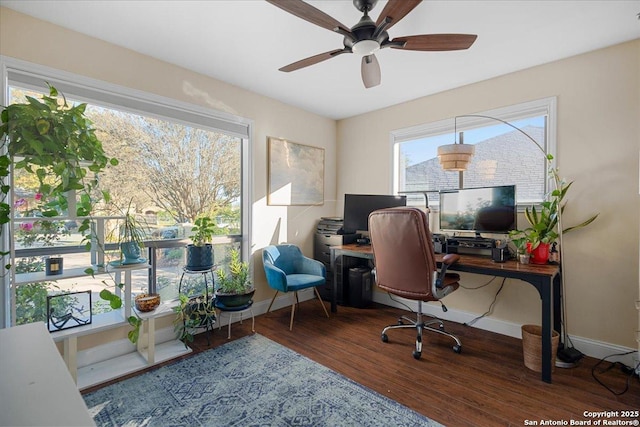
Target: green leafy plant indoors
544, 222
115, 302
192, 313
237, 281
56, 142
203, 231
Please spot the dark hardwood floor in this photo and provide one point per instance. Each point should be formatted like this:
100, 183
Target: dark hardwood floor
486, 385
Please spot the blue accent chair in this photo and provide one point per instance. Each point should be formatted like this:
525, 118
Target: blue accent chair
288, 270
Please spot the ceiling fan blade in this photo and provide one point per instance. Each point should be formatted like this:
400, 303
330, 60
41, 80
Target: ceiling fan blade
313, 60
437, 42
309, 13
396, 10
370, 71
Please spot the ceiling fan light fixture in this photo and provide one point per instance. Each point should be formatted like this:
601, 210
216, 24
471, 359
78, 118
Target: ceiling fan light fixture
365, 47
455, 157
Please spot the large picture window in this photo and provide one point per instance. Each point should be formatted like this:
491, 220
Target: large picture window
503, 154
176, 162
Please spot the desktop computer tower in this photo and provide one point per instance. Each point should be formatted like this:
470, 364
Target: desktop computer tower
360, 287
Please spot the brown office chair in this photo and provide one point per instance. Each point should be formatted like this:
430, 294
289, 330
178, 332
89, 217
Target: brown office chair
406, 266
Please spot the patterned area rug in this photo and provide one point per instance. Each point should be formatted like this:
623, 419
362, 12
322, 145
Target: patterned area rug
252, 381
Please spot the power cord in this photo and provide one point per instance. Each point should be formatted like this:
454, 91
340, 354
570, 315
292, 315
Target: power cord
479, 287
629, 370
400, 302
493, 303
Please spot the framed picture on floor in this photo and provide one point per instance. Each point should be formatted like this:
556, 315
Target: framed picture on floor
296, 174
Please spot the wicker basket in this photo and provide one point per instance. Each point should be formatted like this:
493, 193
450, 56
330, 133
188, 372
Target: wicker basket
532, 347
147, 302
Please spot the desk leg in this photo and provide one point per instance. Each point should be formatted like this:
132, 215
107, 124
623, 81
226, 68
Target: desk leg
334, 287
547, 320
557, 305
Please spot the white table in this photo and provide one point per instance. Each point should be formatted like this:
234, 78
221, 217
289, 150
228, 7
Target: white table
36, 388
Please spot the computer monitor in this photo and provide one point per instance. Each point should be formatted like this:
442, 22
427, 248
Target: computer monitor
479, 210
357, 208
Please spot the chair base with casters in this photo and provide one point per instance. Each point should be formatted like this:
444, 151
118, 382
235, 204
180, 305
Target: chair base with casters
420, 325
296, 302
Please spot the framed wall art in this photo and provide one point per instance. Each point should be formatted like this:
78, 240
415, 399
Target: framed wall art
296, 174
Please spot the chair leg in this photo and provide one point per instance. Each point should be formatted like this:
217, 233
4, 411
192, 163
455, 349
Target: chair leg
272, 300
293, 309
321, 302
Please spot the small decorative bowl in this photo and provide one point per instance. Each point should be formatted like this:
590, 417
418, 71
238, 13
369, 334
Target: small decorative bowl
147, 302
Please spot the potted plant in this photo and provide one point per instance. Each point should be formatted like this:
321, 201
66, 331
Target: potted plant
193, 313
233, 288
521, 248
200, 252
56, 143
131, 237
544, 223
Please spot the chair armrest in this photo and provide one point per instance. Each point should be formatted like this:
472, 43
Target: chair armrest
312, 266
276, 278
438, 276
447, 260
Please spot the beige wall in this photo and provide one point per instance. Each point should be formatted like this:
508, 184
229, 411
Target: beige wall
598, 142
36, 41
598, 146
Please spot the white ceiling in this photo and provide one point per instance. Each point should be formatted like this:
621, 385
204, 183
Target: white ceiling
245, 42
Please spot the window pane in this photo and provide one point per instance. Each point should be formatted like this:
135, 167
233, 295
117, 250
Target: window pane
502, 153
170, 173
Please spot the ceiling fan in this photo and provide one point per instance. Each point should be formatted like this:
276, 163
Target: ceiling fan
367, 37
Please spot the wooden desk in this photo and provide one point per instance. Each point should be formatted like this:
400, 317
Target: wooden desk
36, 388
545, 278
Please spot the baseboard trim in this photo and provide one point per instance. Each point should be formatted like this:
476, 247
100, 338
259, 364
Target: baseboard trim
589, 347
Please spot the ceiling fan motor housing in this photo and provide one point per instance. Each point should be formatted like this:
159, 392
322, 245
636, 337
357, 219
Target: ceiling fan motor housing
362, 41
364, 5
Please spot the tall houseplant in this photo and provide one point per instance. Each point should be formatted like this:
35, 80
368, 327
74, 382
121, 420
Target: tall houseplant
545, 223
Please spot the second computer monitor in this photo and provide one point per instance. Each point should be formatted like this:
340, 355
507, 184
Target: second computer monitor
357, 208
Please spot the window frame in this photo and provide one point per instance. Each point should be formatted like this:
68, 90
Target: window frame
85, 89
462, 122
